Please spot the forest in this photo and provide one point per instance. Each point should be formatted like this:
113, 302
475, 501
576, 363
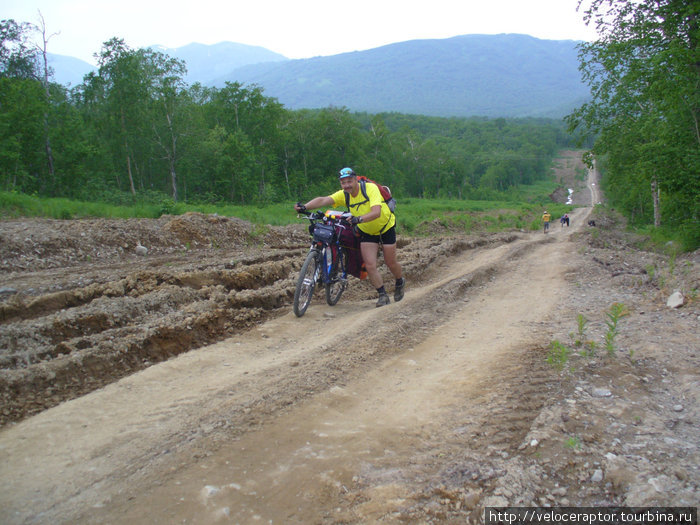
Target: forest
134, 130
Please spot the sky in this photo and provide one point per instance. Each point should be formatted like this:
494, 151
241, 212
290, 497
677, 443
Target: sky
293, 28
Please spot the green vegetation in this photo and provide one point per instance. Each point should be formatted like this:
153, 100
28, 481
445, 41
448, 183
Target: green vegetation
644, 76
134, 134
558, 354
573, 442
15, 205
613, 315
416, 216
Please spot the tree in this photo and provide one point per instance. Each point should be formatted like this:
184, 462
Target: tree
17, 55
22, 107
119, 93
168, 95
644, 74
21, 134
46, 73
137, 100
260, 119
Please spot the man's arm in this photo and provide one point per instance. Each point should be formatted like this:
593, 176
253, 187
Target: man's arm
374, 213
317, 202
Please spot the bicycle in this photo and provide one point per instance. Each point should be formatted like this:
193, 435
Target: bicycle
326, 261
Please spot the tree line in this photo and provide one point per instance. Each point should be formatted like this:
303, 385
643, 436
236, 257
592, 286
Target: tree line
134, 129
644, 74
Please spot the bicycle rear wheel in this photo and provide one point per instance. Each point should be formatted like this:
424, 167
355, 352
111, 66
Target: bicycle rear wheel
337, 284
306, 283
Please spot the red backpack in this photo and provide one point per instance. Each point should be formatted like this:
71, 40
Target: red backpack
384, 190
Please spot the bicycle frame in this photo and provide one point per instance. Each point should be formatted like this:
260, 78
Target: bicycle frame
325, 248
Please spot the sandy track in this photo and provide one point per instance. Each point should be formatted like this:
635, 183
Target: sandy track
292, 415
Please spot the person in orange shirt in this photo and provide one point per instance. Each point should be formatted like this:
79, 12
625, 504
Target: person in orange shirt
546, 217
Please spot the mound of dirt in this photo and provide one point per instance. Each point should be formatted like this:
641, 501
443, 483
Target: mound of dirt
45, 243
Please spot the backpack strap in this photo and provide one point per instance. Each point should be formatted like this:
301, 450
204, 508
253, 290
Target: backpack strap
363, 189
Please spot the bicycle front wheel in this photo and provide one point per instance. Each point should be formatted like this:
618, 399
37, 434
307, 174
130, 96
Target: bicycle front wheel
306, 283
336, 285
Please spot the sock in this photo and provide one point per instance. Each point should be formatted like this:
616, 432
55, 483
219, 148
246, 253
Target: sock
399, 282
381, 291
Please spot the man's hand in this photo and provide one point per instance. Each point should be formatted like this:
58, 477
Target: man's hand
299, 207
355, 220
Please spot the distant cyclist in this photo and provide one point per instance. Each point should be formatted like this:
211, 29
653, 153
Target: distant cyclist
546, 217
377, 227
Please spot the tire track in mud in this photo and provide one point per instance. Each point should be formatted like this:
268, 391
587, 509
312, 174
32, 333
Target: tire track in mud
450, 476
457, 462
61, 345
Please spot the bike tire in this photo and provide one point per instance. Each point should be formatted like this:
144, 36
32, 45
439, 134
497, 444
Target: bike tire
336, 286
306, 283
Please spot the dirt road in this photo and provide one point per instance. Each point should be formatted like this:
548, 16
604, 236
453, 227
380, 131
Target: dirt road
423, 411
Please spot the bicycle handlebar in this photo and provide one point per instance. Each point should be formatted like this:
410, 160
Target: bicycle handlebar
317, 215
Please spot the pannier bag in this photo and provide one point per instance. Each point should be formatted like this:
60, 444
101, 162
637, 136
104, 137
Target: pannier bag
353, 261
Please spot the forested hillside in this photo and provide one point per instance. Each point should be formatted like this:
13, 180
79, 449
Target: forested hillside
645, 110
207, 63
135, 129
506, 75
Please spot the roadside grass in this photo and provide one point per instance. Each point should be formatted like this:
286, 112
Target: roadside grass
16, 205
418, 217
670, 240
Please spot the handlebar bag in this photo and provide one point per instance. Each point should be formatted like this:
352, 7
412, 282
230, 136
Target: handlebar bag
324, 233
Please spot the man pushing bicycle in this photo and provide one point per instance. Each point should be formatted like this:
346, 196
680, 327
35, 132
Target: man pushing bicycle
376, 224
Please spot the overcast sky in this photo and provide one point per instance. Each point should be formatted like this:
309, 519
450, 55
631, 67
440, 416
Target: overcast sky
295, 29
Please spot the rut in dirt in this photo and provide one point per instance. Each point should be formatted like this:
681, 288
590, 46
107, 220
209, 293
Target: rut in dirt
61, 345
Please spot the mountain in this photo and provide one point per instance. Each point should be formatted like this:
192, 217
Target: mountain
506, 75
68, 71
206, 63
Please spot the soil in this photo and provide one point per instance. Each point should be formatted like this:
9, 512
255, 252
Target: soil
152, 371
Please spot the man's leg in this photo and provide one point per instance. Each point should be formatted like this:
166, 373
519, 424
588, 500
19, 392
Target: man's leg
369, 257
392, 262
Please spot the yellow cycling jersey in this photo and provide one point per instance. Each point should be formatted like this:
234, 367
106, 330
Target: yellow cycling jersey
361, 206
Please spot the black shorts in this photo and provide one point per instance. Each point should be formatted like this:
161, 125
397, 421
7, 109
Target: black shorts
388, 237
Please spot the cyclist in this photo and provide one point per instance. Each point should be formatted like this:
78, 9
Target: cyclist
546, 217
377, 227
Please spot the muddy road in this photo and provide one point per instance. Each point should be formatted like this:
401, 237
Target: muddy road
173, 389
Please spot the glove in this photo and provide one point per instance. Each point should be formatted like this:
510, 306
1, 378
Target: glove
355, 220
300, 207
